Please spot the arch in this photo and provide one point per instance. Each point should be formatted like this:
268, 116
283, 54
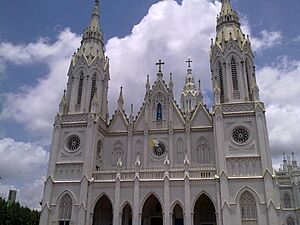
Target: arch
206, 194
103, 211
65, 209
248, 206
251, 190
180, 151
289, 217
287, 200
100, 196
126, 214
204, 210
147, 196
152, 211
176, 202
63, 193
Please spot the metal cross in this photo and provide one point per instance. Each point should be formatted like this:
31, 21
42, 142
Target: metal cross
189, 61
159, 65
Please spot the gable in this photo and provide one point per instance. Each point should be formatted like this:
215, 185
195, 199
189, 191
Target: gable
118, 123
178, 121
201, 117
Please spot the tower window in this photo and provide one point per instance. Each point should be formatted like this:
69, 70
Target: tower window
221, 82
93, 89
287, 200
158, 112
65, 210
79, 94
248, 206
234, 76
248, 79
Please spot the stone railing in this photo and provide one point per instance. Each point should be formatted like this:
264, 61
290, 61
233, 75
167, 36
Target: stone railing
153, 174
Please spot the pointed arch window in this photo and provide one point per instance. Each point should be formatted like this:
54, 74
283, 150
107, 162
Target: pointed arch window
80, 86
159, 112
93, 88
247, 69
290, 221
235, 83
180, 154
203, 151
287, 200
221, 82
65, 210
117, 153
248, 206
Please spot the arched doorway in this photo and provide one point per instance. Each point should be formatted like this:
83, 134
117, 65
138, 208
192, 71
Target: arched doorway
103, 212
152, 212
127, 215
177, 215
204, 211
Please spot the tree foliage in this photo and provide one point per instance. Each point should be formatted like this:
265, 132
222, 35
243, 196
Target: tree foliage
15, 214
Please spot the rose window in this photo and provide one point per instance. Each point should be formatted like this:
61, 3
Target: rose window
73, 143
240, 135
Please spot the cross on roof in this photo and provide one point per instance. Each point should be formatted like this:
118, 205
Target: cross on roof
159, 65
189, 61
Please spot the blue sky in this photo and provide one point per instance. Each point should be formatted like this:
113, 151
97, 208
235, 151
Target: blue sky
38, 37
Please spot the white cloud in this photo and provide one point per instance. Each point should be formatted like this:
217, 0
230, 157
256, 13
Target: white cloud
279, 84
35, 106
22, 166
297, 39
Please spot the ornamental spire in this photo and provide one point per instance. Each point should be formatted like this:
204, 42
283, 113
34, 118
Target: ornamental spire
121, 100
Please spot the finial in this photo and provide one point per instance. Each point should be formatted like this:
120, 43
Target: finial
189, 61
159, 64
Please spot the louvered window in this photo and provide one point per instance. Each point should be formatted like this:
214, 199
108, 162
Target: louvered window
248, 79
79, 94
93, 89
221, 82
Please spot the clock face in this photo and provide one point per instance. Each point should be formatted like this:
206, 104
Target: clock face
159, 148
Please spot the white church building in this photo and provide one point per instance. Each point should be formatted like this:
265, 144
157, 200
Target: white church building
167, 164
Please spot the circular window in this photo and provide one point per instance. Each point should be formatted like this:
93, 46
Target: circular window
240, 135
159, 149
73, 143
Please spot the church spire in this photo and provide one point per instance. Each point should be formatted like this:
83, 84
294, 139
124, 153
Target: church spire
92, 44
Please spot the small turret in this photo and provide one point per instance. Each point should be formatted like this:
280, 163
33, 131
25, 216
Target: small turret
190, 95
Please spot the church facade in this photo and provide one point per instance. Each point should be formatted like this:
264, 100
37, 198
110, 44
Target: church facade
168, 164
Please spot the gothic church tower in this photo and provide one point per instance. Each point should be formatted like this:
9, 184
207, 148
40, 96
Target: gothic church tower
241, 139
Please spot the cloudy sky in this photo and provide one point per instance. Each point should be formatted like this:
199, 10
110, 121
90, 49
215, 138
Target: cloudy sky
38, 37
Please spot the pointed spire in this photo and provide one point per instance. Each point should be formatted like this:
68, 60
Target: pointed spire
121, 100
62, 104
92, 44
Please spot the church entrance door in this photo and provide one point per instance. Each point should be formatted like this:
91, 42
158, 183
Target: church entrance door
177, 215
103, 212
152, 212
127, 215
204, 211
